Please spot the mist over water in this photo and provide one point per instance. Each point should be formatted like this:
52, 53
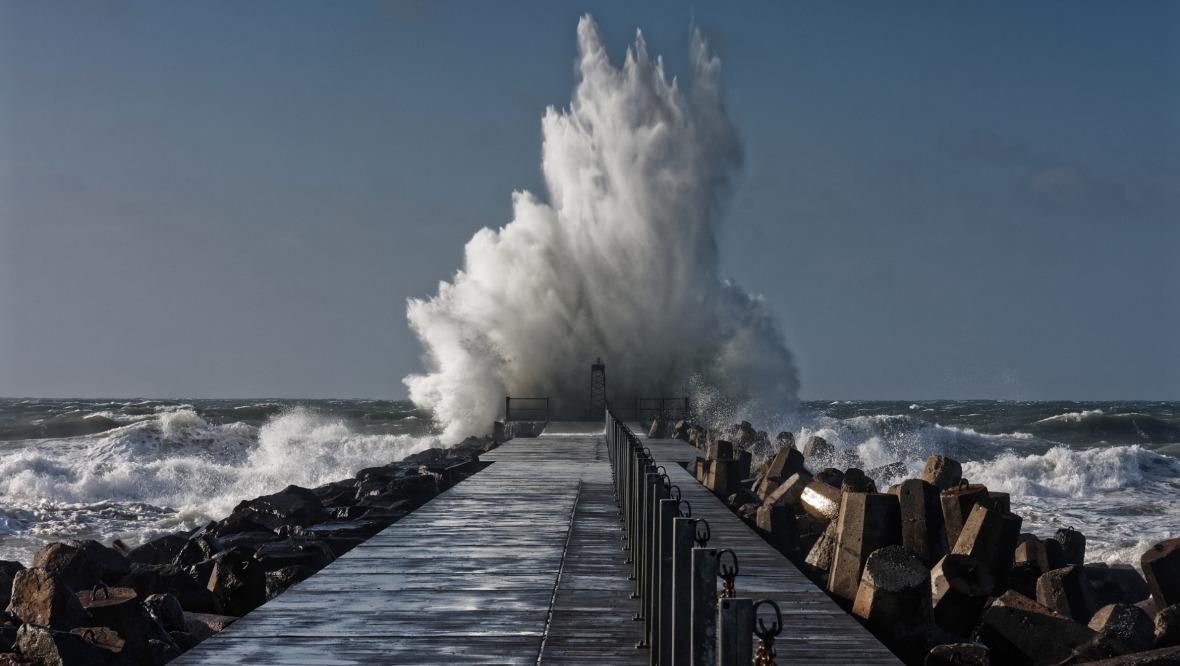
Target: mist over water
621, 262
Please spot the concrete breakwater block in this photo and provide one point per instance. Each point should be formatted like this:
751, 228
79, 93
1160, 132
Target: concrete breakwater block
1019, 630
1161, 567
817, 447
960, 586
957, 503
819, 558
789, 492
1032, 550
959, 654
1068, 592
1126, 623
777, 525
821, 500
894, 599
1167, 627
1073, 545
942, 472
723, 477
719, 450
867, 521
923, 530
786, 463
990, 537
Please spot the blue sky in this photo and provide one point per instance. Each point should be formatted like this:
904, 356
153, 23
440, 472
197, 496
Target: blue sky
235, 199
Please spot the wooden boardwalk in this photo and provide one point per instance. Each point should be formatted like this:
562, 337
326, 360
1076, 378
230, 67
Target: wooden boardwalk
520, 564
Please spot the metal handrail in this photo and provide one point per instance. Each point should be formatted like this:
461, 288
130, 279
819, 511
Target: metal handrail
543, 412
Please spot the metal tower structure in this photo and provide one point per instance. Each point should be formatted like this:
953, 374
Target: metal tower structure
597, 390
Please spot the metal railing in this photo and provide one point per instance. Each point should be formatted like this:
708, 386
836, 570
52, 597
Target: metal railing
686, 620
643, 410
526, 409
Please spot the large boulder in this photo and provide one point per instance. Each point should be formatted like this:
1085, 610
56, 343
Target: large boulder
8, 569
238, 582
278, 581
39, 597
159, 551
148, 579
313, 554
49, 647
291, 506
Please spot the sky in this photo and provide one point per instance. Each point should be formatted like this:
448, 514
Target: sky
938, 200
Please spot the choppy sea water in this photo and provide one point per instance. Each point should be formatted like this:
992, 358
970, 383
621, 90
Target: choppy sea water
136, 469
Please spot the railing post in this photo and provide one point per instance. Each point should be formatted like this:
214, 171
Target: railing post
507, 409
703, 606
662, 591
683, 534
735, 630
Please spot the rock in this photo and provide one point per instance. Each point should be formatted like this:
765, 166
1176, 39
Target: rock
279, 581
680, 430
744, 459
498, 432
923, 531
1073, 545
1054, 553
894, 599
291, 506
238, 582
70, 565
1067, 592
275, 556
785, 440
8, 571
1019, 630
149, 579
1127, 624
856, 481
1167, 627
1117, 584
719, 450
821, 500
960, 587
959, 654
103, 637
867, 521
39, 597
204, 625
883, 473
1164, 657
956, 507
658, 426
146, 639
198, 549
166, 610
942, 472
159, 551
61, 648
1161, 568
13, 659
990, 537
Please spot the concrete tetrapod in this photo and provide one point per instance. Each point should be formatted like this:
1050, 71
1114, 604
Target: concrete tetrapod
868, 521
894, 599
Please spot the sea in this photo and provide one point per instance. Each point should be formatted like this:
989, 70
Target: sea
137, 469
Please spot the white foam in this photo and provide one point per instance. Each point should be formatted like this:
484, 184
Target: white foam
621, 262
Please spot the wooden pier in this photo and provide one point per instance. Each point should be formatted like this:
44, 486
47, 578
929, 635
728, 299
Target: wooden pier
522, 563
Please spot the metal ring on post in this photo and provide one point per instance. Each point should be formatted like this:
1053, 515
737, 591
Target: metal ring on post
766, 635
728, 574
670, 487
702, 536
687, 513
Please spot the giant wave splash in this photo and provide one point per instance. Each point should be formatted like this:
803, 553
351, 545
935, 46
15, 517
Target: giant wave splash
621, 262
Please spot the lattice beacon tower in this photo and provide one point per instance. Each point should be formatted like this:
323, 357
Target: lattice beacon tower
597, 390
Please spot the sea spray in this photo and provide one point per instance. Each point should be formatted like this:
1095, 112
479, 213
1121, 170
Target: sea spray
620, 263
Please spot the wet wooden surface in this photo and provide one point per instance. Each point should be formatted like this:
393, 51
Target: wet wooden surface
520, 564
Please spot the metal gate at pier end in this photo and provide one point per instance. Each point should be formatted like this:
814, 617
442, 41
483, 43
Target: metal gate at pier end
597, 390
526, 409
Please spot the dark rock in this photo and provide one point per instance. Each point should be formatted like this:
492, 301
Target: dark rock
817, 448
867, 521
291, 506
658, 428
313, 554
253, 539
1073, 545
278, 581
236, 523
744, 459
148, 579
8, 571
894, 599
1019, 630
159, 551
70, 565
1127, 624
923, 531
1167, 627
959, 654
1165, 657
103, 637
61, 648
238, 582
119, 610
884, 473
960, 587
1054, 554
785, 440
198, 549
1001, 502
719, 450
942, 472
778, 527
166, 610
1117, 584
1032, 551
39, 597
204, 625
112, 563
1161, 568
1067, 592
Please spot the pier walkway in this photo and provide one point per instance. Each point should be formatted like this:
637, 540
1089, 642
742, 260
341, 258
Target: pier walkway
520, 564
